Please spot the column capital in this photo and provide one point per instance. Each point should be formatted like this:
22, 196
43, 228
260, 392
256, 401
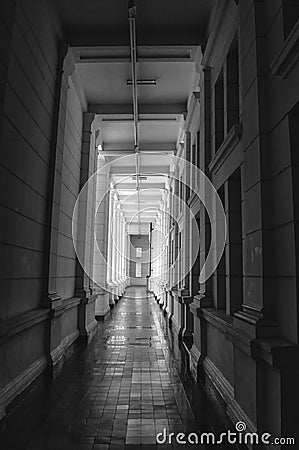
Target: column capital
69, 65
89, 122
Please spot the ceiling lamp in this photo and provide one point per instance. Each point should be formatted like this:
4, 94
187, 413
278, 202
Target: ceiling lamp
150, 82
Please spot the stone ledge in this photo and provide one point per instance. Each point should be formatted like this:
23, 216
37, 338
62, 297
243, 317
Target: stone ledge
57, 354
217, 317
275, 351
226, 392
226, 148
218, 379
21, 382
71, 303
19, 323
288, 55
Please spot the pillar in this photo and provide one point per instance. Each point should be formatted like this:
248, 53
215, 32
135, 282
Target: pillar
52, 298
203, 297
86, 214
101, 265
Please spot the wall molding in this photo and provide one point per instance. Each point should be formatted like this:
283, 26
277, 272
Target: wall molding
195, 356
71, 303
223, 29
58, 352
16, 324
219, 381
226, 392
226, 148
193, 111
288, 55
20, 383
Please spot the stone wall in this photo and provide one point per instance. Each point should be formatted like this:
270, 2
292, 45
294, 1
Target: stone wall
41, 167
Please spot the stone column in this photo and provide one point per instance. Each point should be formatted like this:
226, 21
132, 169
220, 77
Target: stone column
122, 274
204, 296
185, 296
177, 303
257, 314
128, 257
52, 299
233, 252
113, 248
169, 308
86, 214
118, 256
100, 267
110, 248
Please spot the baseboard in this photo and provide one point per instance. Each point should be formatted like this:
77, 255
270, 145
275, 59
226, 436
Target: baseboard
224, 389
195, 356
176, 326
91, 329
103, 316
57, 354
20, 383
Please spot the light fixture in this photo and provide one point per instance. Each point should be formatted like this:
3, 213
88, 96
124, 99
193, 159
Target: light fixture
141, 177
145, 82
100, 148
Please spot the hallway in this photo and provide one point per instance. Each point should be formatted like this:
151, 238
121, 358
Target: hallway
121, 391
148, 147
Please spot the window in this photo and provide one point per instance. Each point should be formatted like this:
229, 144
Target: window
219, 111
290, 13
234, 250
219, 282
138, 270
138, 252
231, 85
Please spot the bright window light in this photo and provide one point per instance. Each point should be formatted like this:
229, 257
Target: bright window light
138, 252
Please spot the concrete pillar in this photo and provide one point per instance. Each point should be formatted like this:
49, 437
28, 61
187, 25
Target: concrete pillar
53, 299
185, 298
110, 274
113, 248
100, 267
204, 296
257, 315
177, 303
233, 253
86, 214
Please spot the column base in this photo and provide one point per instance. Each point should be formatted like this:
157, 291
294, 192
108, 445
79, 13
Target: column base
177, 313
195, 360
89, 332
102, 306
87, 322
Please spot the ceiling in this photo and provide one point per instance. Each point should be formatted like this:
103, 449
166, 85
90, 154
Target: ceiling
168, 34
159, 22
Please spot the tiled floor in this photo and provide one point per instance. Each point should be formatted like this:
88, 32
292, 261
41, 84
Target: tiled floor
118, 393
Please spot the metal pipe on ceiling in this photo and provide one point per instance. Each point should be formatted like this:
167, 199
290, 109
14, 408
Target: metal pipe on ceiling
133, 51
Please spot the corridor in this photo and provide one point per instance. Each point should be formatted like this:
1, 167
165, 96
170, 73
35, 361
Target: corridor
118, 393
149, 204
